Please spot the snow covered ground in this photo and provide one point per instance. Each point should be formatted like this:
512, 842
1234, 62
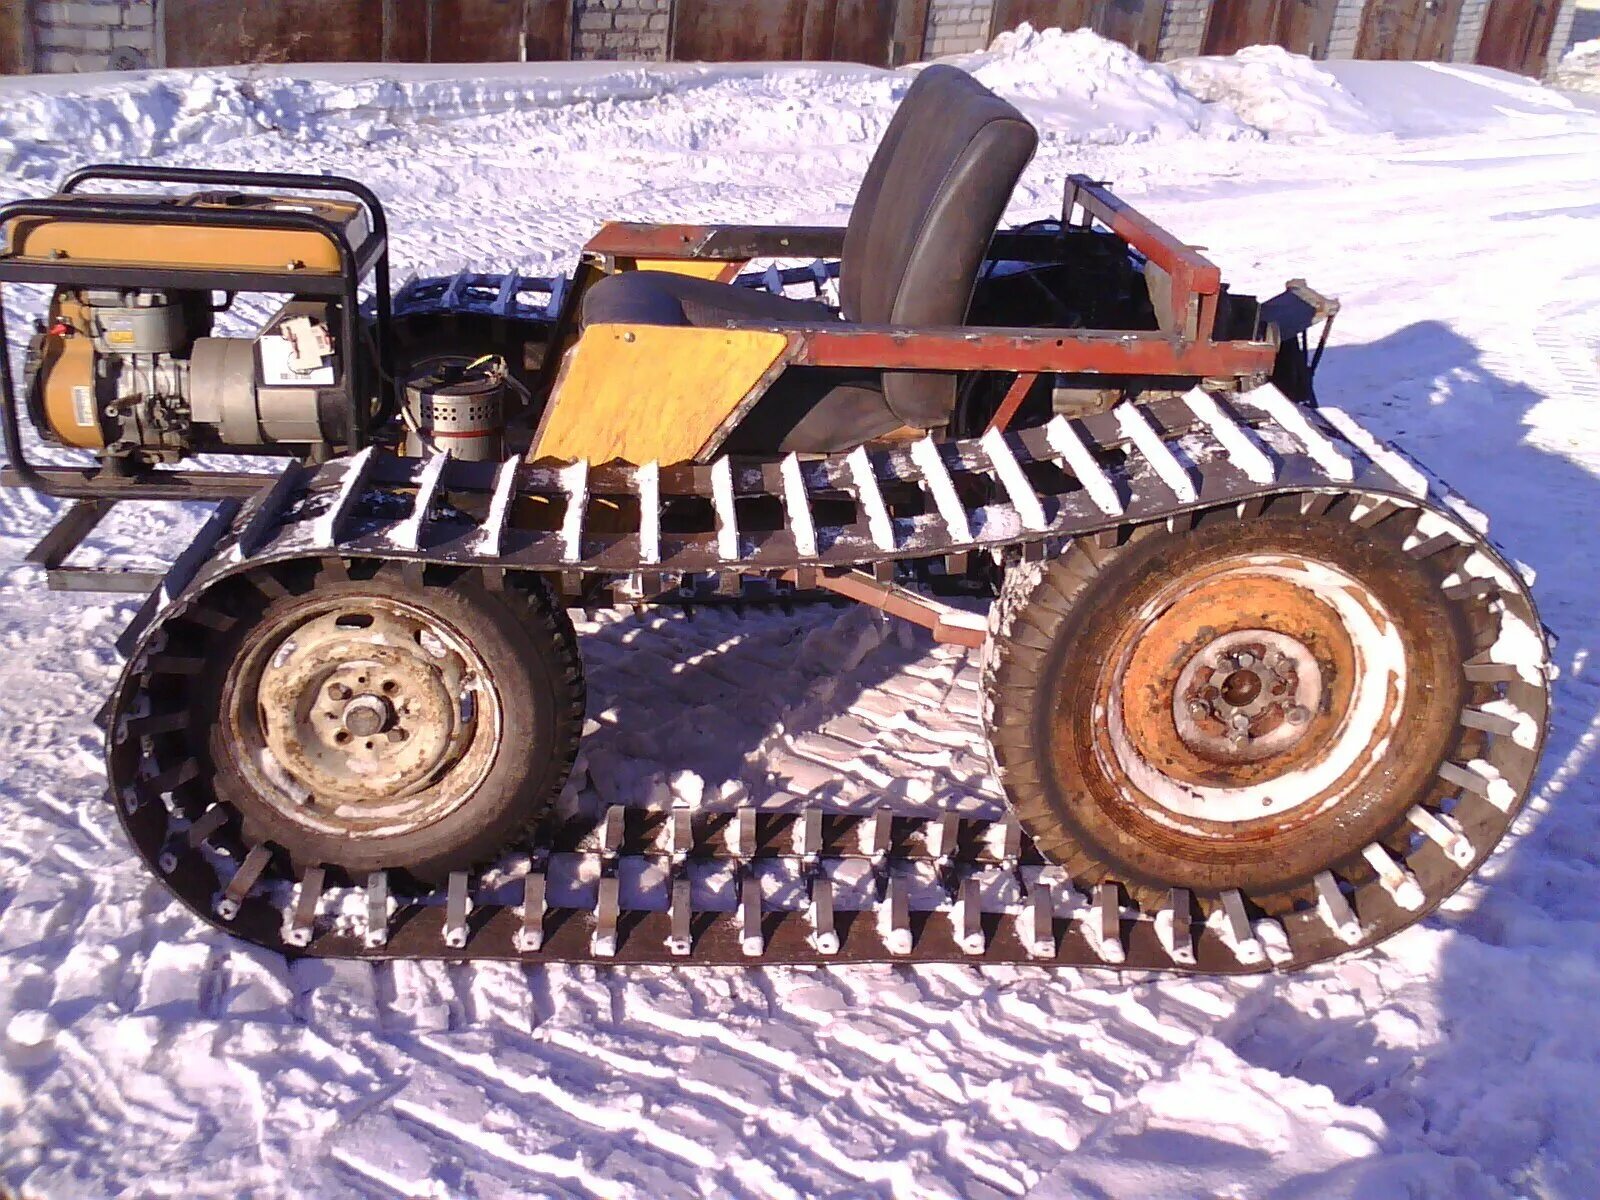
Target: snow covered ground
1455, 210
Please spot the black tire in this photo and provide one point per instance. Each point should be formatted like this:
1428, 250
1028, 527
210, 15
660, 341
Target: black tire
523, 639
1062, 640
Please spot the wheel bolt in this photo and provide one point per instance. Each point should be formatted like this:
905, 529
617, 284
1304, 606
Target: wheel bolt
1298, 715
396, 734
1245, 659
338, 691
1199, 708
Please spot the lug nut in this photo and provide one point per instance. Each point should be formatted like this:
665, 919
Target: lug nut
1245, 659
396, 734
1199, 708
338, 691
1298, 715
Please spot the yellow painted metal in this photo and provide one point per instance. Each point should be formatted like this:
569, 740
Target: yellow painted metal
66, 374
696, 268
649, 393
189, 246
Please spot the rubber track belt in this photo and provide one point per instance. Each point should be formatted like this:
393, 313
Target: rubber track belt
805, 886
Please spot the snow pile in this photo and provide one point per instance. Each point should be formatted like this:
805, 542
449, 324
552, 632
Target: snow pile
1281, 94
1081, 87
1580, 68
1428, 99
48, 122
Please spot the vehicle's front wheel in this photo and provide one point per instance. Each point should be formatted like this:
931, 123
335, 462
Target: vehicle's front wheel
1243, 704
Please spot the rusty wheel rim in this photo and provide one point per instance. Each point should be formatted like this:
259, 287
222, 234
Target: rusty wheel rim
363, 717
1245, 700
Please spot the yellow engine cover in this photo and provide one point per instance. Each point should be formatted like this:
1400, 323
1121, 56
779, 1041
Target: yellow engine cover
66, 378
221, 248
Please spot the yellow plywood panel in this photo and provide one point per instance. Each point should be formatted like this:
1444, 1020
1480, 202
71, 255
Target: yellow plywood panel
648, 393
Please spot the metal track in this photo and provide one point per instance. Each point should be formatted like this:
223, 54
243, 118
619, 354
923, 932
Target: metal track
807, 886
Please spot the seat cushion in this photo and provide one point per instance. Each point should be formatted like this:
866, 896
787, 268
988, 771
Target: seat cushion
807, 410
662, 298
923, 219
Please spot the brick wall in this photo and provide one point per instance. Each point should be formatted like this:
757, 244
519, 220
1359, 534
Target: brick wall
625, 29
1183, 28
94, 35
1345, 29
957, 27
1561, 38
1469, 27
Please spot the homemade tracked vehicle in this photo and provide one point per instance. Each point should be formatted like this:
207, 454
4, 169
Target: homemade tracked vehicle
1257, 687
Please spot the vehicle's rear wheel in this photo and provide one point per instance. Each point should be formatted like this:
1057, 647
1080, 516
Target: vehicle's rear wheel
387, 722
1242, 704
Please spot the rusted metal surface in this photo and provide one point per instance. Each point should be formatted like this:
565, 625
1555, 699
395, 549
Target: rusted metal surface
944, 622
1043, 14
910, 31
1193, 672
1134, 23
745, 30
1421, 30
1516, 35
1015, 395
816, 30
723, 243
849, 31
219, 32
1300, 26
1193, 275
206, 33
971, 348
360, 716
14, 39
475, 30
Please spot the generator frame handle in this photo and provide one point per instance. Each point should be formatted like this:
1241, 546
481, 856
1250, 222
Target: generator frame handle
355, 263
374, 250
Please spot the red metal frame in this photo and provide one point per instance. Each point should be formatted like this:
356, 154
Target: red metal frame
1196, 280
1188, 351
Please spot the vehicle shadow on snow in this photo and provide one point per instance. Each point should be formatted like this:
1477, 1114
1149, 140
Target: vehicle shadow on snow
765, 698
1476, 1048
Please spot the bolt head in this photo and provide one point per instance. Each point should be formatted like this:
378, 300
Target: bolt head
1244, 659
1199, 708
1298, 715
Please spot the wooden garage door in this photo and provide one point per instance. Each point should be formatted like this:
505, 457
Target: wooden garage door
1134, 23
1301, 26
790, 30
1516, 35
1408, 29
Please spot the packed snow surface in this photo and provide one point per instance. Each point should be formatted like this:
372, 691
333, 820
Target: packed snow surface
1454, 212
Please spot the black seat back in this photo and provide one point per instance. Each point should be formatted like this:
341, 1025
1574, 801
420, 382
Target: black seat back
923, 219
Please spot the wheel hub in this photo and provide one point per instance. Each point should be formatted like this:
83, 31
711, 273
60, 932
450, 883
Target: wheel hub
1246, 695
366, 715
